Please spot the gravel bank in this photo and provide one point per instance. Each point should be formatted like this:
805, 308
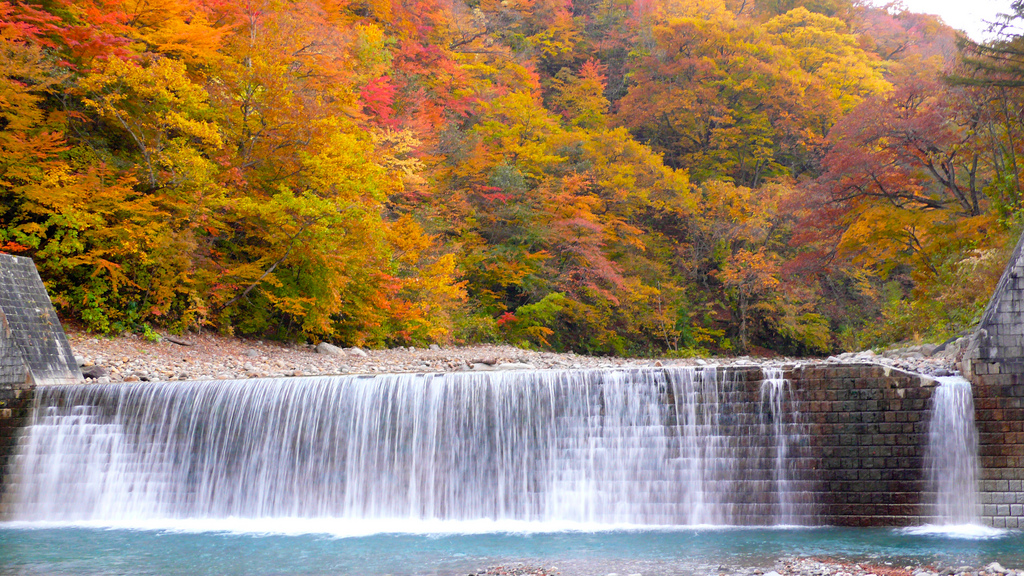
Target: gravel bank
214, 357
788, 567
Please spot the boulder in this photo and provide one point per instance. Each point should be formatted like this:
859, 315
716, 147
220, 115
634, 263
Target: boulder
95, 372
329, 349
515, 366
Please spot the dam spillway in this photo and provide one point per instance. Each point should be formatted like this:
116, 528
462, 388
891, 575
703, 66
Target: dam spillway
678, 446
808, 444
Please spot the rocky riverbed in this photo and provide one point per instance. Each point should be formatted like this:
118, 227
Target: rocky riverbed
215, 357
786, 567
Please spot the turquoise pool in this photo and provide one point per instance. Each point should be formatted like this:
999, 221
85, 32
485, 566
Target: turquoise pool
188, 550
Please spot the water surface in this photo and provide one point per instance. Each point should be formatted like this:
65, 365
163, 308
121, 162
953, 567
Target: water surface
38, 549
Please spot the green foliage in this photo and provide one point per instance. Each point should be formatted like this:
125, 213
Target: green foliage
531, 325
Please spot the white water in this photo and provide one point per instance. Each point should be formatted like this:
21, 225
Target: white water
536, 451
780, 422
951, 458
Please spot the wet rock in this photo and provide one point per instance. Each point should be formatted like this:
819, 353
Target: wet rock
95, 372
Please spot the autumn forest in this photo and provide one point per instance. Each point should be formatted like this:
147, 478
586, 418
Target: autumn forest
628, 177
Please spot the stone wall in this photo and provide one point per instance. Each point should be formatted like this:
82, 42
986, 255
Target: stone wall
14, 394
32, 323
14, 415
868, 431
864, 437
999, 416
33, 347
997, 345
13, 368
994, 363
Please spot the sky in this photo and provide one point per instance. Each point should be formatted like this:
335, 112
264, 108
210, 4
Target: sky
966, 15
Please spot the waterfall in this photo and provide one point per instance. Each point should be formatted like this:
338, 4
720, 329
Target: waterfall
665, 446
951, 457
780, 422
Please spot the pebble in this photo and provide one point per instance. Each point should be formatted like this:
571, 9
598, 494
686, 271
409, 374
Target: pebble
213, 356
784, 567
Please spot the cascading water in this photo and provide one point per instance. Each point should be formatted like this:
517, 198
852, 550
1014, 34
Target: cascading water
780, 422
951, 457
653, 446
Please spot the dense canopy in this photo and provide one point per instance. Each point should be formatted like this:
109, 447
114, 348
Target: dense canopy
606, 176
